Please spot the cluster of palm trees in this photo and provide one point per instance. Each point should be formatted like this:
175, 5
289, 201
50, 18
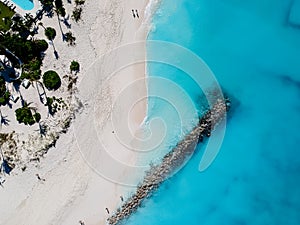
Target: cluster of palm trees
30, 52
23, 25
59, 9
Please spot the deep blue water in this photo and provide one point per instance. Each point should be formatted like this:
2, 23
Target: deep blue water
255, 54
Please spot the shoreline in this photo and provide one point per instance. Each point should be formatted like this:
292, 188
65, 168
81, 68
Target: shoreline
72, 191
172, 161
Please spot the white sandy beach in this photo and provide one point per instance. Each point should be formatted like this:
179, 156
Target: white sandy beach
74, 189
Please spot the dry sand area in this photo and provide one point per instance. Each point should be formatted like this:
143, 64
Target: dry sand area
84, 171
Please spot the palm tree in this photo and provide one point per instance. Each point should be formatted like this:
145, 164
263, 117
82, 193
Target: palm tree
24, 114
29, 20
50, 34
72, 80
42, 25
60, 13
70, 38
79, 2
76, 15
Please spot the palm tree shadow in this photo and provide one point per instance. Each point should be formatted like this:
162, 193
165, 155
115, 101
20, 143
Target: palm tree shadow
42, 129
4, 120
49, 12
66, 22
61, 30
17, 85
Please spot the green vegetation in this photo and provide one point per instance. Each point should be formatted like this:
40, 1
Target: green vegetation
41, 45
51, 80
26, 53
47, 3
4, 94
60, 7
55, 104
37, 117
24, 115
5, 17
79, 2
23, 26
70, 38
31, 70
26, 50
3, 138
74, 67
50, 33
2, 86
76, 14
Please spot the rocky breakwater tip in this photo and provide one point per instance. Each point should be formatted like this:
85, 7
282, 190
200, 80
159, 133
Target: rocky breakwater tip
173, 160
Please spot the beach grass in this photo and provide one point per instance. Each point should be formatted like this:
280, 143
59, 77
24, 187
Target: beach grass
5, 14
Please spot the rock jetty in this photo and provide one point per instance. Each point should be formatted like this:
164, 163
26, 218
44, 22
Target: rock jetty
173, 160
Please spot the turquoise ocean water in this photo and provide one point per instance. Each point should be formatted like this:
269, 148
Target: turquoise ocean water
255, 54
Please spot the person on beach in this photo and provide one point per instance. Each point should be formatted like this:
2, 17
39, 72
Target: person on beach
133, 14
137, 14
121, 197
107, 210
39, 178
81, 222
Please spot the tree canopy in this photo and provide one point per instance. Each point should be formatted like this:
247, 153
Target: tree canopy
76, 14
4, 94
74, 66
51, 80
25, 49
24, 115
79, 2
60, 7
50, 33
47, 3
2, 86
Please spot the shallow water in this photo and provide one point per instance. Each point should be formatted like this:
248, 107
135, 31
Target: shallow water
254, 52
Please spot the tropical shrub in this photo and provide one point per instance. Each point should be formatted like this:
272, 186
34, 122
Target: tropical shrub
2, 86
26, 50
74, 66
37, 117
25, 116
79, 2
76, 14
50, 33
41, 45
51, 80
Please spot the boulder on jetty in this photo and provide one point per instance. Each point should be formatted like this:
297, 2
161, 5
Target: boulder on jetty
173, 160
